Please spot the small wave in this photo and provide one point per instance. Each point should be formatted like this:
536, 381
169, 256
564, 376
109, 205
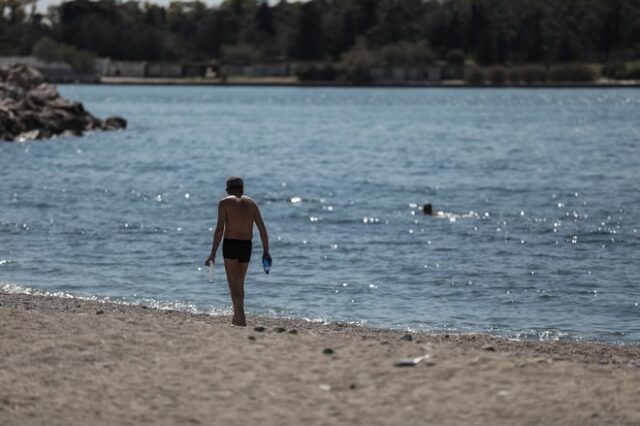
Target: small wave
127, 227
542, 336
14, 227
11, 288
454, 217
292, 199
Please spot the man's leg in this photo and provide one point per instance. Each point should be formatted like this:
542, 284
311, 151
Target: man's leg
236, 286
242, 272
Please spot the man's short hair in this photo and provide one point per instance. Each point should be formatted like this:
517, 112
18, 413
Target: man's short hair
235, 182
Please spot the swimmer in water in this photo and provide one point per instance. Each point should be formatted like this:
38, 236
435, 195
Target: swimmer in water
427, 209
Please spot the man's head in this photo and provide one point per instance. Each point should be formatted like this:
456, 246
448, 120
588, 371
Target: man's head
427, 209
235, 186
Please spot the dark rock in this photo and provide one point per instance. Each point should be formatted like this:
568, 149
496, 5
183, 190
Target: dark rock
294, 331
114, 123
489, 348
96, 123
34, 102
33, 109
328, 351
251, 337
24, 77
45, 92
99, 312
407, 337
404, 363
52, 119
31, 120
30, 135
259, 329
279, 329
74, 123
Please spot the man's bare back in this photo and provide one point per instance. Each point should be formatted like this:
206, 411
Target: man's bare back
239, 214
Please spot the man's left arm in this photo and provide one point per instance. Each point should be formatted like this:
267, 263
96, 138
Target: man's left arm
263, 235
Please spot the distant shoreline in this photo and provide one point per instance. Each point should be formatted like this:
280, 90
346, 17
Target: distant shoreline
291, 82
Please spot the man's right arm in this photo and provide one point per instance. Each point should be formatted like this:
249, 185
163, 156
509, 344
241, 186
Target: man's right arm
217, 234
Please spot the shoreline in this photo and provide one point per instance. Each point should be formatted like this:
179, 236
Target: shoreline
290, 82
75, 361
188, 308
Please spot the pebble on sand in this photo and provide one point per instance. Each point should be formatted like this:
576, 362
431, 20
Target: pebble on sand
411, 362
259, 329
328, 351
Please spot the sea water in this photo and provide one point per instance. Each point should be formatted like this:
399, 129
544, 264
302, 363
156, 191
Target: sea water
540, 236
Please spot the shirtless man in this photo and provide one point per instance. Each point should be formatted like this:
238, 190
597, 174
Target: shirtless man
236, 215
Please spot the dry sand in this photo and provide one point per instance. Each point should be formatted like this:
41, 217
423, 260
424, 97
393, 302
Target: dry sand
77, 362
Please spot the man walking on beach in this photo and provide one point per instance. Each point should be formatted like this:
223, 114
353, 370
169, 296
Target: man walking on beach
236, 215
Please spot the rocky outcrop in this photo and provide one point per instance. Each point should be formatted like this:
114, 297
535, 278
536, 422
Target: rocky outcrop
33, 109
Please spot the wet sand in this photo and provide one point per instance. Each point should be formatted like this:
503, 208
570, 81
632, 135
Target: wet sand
76, 362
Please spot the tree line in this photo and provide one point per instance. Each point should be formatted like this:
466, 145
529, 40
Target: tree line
487, 32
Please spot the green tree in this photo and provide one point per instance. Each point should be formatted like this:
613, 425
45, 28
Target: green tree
356, 64
51, 51
491, 31
405, 53
308, 33
264, 19
611, 26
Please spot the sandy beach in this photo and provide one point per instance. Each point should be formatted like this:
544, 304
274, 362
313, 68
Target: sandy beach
75, 362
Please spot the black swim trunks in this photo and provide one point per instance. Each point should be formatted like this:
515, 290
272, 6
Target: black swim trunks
239, 250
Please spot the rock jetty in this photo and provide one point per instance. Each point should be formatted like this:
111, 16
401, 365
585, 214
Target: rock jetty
32, 109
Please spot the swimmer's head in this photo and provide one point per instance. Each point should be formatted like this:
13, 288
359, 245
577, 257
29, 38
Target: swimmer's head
427, 209
235, 186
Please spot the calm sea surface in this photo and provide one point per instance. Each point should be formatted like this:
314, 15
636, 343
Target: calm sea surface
541, 236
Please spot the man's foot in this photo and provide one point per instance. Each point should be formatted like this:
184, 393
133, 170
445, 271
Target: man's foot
238, 319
